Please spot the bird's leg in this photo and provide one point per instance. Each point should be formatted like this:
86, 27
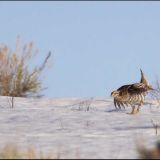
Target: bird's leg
133, 108
138, 108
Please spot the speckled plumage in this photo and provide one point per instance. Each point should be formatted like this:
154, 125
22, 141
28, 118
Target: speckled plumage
131, 95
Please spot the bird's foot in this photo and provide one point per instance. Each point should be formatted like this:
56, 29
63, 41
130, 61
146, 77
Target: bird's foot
134, 111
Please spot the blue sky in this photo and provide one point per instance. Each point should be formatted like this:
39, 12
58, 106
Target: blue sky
96, 46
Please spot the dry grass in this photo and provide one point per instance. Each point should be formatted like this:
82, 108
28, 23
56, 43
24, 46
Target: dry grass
155, 94
16, 79
11, 151
85, 104
145, 153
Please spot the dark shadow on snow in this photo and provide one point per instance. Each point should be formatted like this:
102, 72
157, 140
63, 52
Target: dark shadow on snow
133, 128
115, 110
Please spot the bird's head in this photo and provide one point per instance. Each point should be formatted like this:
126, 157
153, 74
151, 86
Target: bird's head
115, 93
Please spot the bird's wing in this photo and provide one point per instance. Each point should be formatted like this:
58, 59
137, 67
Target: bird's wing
123, 87
136, 88
128, 90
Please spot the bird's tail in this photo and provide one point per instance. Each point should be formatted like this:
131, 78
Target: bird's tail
143, 79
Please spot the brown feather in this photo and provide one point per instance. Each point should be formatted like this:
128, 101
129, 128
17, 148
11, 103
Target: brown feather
132, 94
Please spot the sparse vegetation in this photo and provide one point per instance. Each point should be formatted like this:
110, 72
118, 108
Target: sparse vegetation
155, 94
145, 153
156, 126
85, 104
17, 79
11, 151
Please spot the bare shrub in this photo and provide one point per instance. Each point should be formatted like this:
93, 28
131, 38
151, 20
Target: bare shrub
16, 78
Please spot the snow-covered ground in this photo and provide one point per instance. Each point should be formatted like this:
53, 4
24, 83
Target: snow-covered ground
77, 127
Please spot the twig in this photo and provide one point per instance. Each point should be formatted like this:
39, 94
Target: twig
12, 100
155, 125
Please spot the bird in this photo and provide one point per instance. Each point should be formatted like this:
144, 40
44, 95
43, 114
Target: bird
132, 94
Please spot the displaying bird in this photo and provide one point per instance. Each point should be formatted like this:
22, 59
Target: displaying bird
132, 95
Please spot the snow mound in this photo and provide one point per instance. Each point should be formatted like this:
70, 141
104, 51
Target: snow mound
77, 127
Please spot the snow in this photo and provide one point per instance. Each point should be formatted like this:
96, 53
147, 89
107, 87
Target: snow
77, 127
